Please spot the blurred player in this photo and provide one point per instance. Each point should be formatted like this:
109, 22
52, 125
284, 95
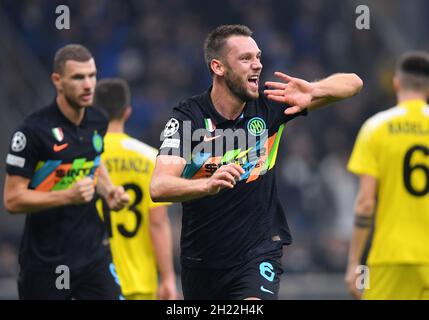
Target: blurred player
391, 156
234, 227
53, 167
140, 234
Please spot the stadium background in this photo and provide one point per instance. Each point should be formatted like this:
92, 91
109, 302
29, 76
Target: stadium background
157, 47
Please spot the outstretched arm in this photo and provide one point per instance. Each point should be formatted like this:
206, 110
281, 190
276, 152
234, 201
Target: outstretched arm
301, 94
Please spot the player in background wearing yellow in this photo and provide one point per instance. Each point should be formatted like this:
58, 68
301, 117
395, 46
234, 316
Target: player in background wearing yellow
140, 234
391, 156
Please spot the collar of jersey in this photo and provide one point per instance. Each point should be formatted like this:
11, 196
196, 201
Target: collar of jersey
249, 110
415, 103
64, 119
117, 135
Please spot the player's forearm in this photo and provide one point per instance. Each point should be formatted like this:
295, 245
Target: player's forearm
163, 248
31, 201
104, 184
365, 206
334, 88
357, 244
168, 188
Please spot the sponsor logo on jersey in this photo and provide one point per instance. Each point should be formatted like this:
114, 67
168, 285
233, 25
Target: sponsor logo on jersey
97, 141
256, 126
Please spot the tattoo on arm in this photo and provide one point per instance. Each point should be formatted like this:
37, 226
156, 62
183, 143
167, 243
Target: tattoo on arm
363, 222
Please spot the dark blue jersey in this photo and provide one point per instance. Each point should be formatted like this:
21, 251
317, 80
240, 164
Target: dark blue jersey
54, 153
237, 224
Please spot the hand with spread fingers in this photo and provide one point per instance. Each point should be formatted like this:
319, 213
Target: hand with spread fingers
300, 94
295, 92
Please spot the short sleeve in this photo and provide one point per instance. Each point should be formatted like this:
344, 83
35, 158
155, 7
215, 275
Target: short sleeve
363, 159
24, 152
289, 117
177, 135
153, 205
150, 171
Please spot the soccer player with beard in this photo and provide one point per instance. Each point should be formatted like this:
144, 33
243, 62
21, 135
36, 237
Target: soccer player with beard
234, 227
53, 171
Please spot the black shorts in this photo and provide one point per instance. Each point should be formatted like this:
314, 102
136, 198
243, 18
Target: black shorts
97, 281
259, 278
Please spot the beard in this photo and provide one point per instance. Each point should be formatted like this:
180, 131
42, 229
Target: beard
237, 86
73, 102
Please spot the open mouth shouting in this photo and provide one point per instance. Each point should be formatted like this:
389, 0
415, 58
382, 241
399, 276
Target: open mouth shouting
253, 81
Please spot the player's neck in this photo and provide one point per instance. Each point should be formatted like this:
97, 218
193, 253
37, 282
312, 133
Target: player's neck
225, 102
115, 127
75, 115
410, 95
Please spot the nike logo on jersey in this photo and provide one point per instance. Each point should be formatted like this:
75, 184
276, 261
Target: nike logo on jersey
58, 148
266, 290
207, 139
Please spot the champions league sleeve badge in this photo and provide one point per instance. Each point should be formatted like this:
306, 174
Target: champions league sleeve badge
171, 127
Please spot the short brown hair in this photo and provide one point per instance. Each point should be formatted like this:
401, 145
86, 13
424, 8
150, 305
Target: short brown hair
74, 52
112, 95
215, 41
413, 70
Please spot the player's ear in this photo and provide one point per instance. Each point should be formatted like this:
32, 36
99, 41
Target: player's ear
56, 80
127, 113
396, 83
217, 67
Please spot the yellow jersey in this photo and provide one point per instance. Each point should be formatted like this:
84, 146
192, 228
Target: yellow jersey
130, 163
393, 147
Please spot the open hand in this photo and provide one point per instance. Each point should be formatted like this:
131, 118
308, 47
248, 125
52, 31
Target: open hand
295, 92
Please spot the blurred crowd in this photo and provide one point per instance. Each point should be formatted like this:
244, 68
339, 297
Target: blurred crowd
158, 47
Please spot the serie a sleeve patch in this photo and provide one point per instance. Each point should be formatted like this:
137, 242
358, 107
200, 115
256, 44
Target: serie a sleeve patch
15, 161
170, 143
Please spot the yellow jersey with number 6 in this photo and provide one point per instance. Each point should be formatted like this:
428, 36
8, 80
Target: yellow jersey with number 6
393, 147
130, 163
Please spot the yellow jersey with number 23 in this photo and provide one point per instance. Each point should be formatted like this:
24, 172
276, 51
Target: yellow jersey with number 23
130, 163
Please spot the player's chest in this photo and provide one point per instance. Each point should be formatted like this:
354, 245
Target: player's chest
227, 138
66, 143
